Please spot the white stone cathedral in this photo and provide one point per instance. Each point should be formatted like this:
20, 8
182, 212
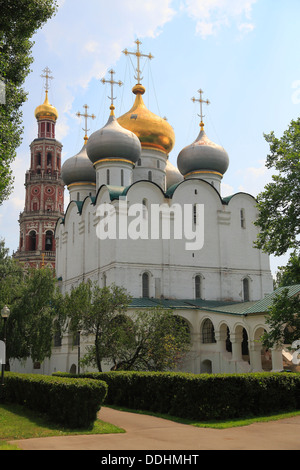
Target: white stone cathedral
203, 266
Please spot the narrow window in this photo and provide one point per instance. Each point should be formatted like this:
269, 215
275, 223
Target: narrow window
246, 294
139, 163
145, 286
150, 175
49, 159
49, 241
145, 208
39, 159
195, 213
104, 280
243, 221
122, 177
198, 287
32, 241
107, 177
158, 164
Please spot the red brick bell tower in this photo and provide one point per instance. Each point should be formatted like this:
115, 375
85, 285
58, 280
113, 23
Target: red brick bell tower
44, 201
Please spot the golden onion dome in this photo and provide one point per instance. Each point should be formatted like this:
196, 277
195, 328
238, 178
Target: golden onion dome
152, 130
46, 110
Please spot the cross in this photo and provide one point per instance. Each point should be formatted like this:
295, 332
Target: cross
112, 83
48, 77
86, 116
201, 101
138, 54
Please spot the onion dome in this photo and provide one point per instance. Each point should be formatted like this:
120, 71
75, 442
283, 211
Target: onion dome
46, 110
203, 156
78, 169
113, 143
173, 176
152, 130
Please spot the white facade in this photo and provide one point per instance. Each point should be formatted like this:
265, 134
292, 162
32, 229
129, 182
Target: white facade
210, 278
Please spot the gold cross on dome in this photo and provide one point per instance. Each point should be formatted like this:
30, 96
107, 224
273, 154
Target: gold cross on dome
138, 55
201, 101
48, 77
112, 83
86, 116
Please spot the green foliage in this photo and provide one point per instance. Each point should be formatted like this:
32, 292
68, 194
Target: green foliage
92, 311
289, 275
148, 340
34, 316
155, 340
283, 320
71, 402
204, 396
278, 204
19, 21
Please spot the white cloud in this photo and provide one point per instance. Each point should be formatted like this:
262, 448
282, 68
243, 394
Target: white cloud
253, 179
211, 15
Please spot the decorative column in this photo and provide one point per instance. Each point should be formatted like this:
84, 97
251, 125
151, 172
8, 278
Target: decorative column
255, 356
277, 362
236, 341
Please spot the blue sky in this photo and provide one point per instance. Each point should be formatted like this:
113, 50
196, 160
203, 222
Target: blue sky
244, 54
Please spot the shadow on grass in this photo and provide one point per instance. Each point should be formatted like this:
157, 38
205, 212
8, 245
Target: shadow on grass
18, 422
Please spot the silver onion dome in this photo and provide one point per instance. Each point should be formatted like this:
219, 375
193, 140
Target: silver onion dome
114, 142
78, 169
203, 155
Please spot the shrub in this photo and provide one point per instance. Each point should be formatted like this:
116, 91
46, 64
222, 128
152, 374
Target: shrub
71, 402
204, 396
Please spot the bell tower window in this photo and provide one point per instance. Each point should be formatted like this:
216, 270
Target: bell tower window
49, 241
32, 241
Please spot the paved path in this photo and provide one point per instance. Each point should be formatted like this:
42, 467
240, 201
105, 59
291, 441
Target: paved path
150, 433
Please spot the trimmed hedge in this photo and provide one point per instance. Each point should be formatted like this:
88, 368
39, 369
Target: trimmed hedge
71, 402
204, 396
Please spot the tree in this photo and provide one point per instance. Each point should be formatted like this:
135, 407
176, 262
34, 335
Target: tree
283, 320
290, 274
155, 340
34, 317
278, 205
19, 21
279, 224
147, 340
92, 311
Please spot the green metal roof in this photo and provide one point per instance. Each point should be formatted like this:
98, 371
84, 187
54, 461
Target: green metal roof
217, 306
264, 304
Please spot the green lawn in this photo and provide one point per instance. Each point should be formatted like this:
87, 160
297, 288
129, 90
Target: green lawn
17, 422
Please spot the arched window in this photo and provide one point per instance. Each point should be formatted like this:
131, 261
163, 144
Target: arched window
198, 287
145, 285
246, 293
32, 241
208, 332
38, 159
139, 162
107, 177
150, 175
49, 241
49, 159
122, 177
